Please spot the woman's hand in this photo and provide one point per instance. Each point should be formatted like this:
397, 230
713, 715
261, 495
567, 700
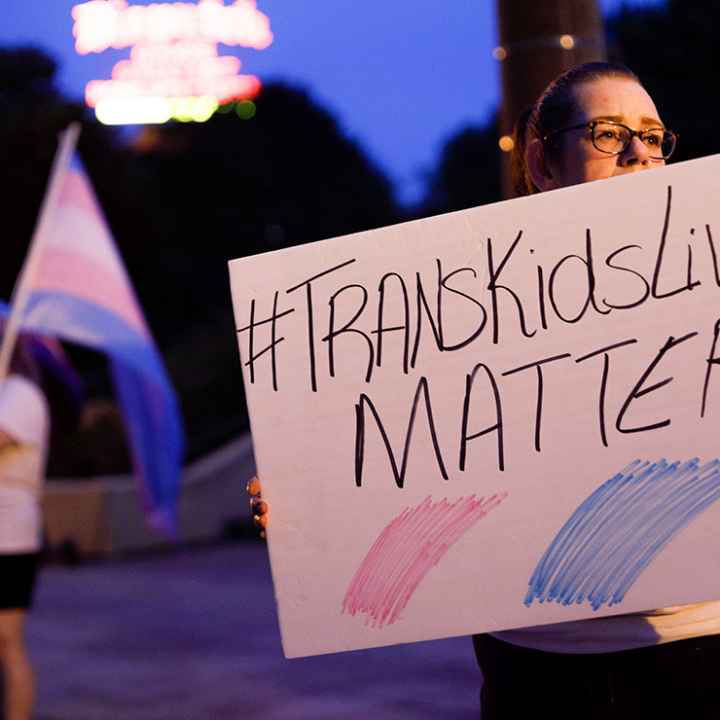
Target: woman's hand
258, 506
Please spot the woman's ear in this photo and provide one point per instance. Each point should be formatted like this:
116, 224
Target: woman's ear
537, 166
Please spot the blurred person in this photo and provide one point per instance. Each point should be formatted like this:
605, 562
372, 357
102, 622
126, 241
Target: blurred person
593, 122
24, 435
26, 396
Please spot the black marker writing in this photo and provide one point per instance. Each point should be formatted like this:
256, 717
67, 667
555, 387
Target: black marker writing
493, 287
274, 340
661, 252
646, 285
713, 252
476, 333
307, 284
435, 324
399, 473
333, 332
382, 329
497, 427
537, 364
638, 390
604, 351
711, 360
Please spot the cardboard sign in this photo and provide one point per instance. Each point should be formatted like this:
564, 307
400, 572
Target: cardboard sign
496, 418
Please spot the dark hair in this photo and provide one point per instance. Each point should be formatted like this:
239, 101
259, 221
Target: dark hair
22, 361
552, 111
42, 361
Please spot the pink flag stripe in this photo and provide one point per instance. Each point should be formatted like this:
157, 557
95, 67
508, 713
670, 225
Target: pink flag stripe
76, 191
405, 551
76, 231
65, 272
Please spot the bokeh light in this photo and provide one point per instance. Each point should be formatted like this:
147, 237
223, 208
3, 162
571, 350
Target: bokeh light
245, 109
133, 111
506, 143
155, 110
499, 53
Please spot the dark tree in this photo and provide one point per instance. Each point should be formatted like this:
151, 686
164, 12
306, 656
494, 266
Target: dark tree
230, 187
207, 193
182, 200
673, 47
468, 172
26, 73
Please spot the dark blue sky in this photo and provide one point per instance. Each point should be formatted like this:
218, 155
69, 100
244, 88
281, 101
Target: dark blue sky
401, 76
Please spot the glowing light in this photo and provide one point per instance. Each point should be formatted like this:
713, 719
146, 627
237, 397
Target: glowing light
246, 109
567, 42
196, 109
103, 24
499, 53
178, 70
220, 89
177, 59
506, 143
174, 56
225, 108
133, 111
154, 110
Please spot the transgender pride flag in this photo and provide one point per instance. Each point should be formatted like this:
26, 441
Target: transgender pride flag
74, 286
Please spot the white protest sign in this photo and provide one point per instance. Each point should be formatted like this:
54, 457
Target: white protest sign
495, 418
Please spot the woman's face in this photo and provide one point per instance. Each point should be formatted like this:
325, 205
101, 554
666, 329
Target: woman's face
577, 160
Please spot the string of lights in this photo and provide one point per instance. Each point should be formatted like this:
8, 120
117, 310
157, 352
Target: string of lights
565, 42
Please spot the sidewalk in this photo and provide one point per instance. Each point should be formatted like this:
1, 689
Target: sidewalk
192, 635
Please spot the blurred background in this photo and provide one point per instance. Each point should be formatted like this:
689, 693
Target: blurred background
369, 114
359, 115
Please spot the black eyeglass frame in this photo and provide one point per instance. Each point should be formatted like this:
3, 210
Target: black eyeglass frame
592, 124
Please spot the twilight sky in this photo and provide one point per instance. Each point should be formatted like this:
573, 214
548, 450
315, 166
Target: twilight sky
401, 76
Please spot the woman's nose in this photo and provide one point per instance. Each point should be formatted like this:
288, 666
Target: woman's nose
636, 153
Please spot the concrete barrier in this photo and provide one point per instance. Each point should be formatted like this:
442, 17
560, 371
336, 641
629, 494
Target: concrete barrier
102, 516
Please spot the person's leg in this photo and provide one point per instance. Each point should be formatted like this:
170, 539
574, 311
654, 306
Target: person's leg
521, 682
19, 677
677, 679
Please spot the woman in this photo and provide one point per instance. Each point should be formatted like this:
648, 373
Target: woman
24, 433
594, 122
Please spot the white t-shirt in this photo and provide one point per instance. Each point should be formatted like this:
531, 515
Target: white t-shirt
24, 415
620, 632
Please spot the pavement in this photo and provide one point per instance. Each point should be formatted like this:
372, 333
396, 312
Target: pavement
192, 635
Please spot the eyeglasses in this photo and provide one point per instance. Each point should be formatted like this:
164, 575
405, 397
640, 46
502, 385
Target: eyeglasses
614, 138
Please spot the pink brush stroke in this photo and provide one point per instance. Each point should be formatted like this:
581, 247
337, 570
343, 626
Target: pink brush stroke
405, 551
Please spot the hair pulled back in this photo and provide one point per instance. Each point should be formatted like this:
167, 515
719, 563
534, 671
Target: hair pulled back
552, 111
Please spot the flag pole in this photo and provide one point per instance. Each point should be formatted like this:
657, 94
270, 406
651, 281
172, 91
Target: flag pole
67, 143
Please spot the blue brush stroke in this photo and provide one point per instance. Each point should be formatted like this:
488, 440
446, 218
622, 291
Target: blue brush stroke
618, 530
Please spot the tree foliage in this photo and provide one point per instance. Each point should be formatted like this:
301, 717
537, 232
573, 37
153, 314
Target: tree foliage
673, 48
468, 172
182, 200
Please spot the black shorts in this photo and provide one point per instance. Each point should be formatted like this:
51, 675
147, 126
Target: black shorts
679, 679
17, 580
